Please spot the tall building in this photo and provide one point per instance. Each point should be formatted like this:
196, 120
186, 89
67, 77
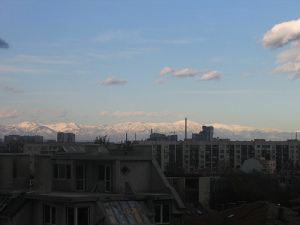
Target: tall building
207, 134
65, 137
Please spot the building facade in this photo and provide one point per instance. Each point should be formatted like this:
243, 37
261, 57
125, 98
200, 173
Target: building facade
94, 187
220, 154
65, 137
23, 139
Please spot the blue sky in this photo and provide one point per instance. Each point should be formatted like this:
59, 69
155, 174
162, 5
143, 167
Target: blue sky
108, 62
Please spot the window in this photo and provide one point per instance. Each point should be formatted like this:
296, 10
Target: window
162, 213
80, 177
49, 214
78, 216
62, 171
104, 175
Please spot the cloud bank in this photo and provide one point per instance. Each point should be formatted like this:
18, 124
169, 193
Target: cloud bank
4, 114
289, 60
134, 114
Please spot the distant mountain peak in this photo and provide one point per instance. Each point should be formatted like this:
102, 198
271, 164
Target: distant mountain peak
141, 130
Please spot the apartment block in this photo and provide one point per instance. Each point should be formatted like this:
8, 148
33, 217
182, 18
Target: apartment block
220, 154
65, 137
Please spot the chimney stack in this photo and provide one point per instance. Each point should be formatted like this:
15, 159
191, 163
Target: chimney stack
185, 136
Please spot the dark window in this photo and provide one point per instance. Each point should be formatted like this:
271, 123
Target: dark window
62, 171
162, 213
104, 175
49, 214
78, 216
101, 172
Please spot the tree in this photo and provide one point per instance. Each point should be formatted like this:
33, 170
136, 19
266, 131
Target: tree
102, 141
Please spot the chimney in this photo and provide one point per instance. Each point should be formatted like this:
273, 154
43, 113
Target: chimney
185, 136
126, 137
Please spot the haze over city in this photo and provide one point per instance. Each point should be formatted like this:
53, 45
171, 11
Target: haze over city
109, 62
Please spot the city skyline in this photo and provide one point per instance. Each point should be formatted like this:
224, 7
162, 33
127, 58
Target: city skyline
104, 62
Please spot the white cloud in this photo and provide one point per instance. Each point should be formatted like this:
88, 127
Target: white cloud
4, 114
247, 75
134, 114
160, 81
282, 34
288, 67
186, 73
97, 82
183, 115
290, 55
289, 60
294, 77
113, 81
166, 70
210, 76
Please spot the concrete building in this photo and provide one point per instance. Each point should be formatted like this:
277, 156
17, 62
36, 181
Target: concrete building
65, 137
23, 139
207, 134
289, 175
96, 188
220, 154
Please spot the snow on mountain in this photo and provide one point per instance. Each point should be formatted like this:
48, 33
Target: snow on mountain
141, 130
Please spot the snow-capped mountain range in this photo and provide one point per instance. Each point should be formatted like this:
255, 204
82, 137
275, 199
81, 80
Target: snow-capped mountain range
142, 131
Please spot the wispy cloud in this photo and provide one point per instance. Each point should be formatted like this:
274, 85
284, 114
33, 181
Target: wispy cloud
135, 36
134, 114
4, 114
21, 70
128, 54
97, 82
183, 73
3, 44
247, 75
39, 110
186, 73
166, 70
183, 115
40, 59
113, 81
210, 76
227, 92
280, 35
13, 69
12, 90
61, 113
160, 81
